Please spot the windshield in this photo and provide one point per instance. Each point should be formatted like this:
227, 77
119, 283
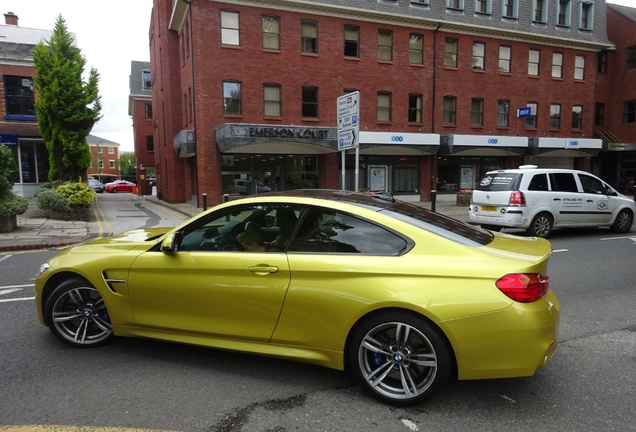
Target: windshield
499, 181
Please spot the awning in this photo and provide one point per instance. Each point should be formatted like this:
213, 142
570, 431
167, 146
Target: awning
613, 143
565, 147
483, 145
398, 143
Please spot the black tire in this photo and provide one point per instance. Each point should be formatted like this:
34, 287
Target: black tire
114, 190
494, 228
400, 358
623, 222
76, 314
541, 225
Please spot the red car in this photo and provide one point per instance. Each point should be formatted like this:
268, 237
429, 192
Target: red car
119, 186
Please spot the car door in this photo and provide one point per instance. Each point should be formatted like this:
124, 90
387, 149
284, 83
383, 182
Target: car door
596, 201
210, 285
566, 201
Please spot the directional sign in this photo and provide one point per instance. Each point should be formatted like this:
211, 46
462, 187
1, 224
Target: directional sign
348, 121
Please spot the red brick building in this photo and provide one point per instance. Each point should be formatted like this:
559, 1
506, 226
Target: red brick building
247, 90
104, 159
140, 110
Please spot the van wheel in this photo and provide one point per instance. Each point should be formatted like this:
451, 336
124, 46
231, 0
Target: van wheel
541, 225
623, 222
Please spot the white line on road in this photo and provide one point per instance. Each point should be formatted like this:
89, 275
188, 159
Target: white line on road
620, 238
16, 299
561, 250
5, 257
9, 291
17, 286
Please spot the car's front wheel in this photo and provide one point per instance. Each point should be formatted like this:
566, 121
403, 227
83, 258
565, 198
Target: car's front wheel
400, 358
541, 225
623, 222
75, 313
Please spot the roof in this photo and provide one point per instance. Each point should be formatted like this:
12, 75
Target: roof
95, 140
625, 11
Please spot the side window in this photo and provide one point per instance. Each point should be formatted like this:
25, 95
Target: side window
326, 231
563, 182
250, 228
539, 182
591, 184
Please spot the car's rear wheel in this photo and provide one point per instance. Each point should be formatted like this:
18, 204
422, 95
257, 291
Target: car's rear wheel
114, 190
76, 314
400, 358
623, 222
541, 225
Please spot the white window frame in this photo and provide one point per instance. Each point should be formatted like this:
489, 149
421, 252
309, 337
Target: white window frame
579, 67
515, 9
544, 11
230, 28
488, 4
590, 15
567, 13
455, 4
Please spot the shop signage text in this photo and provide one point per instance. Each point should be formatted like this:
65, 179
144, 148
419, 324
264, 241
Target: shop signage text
282, 132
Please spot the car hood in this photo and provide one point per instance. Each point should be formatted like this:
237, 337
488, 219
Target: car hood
125, 241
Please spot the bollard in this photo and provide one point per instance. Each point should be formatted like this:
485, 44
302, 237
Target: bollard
433, 199
205, 201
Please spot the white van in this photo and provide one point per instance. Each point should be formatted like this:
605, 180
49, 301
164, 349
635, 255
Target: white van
538, 200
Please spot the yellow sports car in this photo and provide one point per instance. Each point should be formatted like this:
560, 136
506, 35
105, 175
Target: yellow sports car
401, 296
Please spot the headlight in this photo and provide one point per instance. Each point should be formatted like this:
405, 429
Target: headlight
44, 267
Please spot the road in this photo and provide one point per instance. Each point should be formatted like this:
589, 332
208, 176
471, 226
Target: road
588, 386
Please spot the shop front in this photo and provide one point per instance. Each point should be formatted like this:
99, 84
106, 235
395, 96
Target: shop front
567, 153
464, 159
32, 158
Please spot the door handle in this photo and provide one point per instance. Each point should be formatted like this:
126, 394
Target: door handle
262, 269
556, 199
590, 200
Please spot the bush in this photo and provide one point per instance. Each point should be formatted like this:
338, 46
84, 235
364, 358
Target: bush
12, 204
77, 193
49, 199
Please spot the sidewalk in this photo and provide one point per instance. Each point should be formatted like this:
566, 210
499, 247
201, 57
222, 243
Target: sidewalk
36, 230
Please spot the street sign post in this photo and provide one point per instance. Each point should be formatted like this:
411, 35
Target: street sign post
348, 108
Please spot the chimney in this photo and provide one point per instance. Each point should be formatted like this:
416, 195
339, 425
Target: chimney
11, 19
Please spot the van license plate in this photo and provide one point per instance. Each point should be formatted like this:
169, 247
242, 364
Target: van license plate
489, 208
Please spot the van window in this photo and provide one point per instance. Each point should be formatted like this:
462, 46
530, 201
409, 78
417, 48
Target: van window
539, 182
499, 181
591, 184
563, 182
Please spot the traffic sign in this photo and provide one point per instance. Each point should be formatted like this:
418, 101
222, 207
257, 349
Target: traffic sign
348, 121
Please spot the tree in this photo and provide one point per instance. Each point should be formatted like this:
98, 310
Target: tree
127, 164
67, 107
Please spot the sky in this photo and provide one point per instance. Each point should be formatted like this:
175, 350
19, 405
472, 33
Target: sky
110, 35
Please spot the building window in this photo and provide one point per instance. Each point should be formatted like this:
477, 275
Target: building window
385, 45
352, 41
271, 32
146, 81
503, 112
564, 13
630, 58
310, 102
190, 105
602, 62
150, 143
100, 150
555, 116
100, 163
586, 15
579, 68
599, 115
577, 117
483, 7
111, 164
384, 107
230, 28
20, 99
111, 150
272, 100
148, 111
531, 120
534, 59
415, 108
416, 49
510, 9
450, 53
539, 11
420, 2
232, 98
309, 37
479, 55
455, 4
505, 56
557, 65
450, 110
629, 112
477, 112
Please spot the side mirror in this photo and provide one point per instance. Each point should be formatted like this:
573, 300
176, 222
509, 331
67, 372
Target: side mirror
170, 244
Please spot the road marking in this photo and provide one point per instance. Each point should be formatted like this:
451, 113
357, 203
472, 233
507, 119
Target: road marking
101, 218
9, 291
59, 428
619, 238
17, 286
15, 300
561, 250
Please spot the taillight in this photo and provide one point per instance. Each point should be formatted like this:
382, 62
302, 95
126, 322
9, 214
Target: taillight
517, 198
524, 287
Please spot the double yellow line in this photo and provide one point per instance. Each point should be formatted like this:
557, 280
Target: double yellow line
101, 221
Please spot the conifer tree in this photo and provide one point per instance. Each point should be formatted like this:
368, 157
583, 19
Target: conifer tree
67, 107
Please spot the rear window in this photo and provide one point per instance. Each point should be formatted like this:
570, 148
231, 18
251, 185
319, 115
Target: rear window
499, 181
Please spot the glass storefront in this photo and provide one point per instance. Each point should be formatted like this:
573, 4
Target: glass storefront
32, 161
460, 173
249, 174
395, 174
